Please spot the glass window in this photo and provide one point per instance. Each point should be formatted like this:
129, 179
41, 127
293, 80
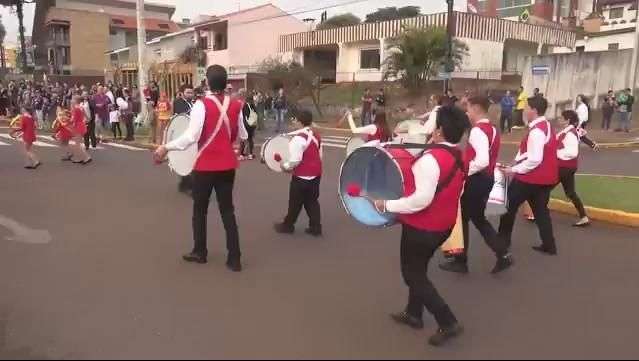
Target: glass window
613, 46
66, 55
370, 59
616, 13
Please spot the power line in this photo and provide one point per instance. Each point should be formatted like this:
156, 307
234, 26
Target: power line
352, 2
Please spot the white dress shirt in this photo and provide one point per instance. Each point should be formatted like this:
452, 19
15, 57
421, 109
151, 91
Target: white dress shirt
534, 155
426, 172
430, 125
196, 124
571, 145
481, 144
367, 129
582, 114
296, 148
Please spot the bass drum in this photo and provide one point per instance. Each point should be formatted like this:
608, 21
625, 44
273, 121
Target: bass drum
377, 171
180, 162
353, 144
277, 145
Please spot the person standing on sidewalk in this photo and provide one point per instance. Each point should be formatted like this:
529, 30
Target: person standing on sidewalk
164, 111
608, 110
583, 111
125, 106
280, 104
89, 118
519, 109
367, 107
101, 103
506, 119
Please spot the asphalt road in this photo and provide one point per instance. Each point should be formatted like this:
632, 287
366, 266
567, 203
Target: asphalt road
111, 284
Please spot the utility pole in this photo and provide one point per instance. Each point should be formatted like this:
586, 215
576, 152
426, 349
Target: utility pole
635, 55
141, 54
449, 67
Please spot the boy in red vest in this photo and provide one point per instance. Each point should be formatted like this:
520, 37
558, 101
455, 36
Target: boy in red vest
28, 130
428, 213
481, 156
215, 165
535, 174
305, 164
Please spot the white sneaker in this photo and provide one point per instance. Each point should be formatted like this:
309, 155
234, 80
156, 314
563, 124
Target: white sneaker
584, 222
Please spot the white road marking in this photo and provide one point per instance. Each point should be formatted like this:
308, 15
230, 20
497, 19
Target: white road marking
47, 137
6, 136
635, 151
3, 143
332, 137
124, 146
24, 234
44, 145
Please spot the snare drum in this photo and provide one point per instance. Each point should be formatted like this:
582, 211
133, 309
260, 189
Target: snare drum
354, 143
276, 145
180, 162
377, 170
498, 200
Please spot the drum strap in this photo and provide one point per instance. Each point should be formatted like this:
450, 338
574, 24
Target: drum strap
224, 118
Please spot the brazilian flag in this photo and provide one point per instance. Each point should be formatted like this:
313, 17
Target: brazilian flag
524, 16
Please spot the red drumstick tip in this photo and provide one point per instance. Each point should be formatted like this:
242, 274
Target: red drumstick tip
354, 190
277, 157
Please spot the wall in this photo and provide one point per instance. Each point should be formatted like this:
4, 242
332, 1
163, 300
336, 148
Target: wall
117, 41
483, 55
250, 43
591, 74
516, 52
170, 48
89, 40
600, 43
72, 5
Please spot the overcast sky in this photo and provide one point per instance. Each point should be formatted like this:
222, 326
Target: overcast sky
192, 8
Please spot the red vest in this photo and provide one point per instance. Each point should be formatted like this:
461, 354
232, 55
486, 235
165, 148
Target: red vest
547, 173
379, 134
570, 164
219, 155
311, 165
77, 120
441, 214
493, 148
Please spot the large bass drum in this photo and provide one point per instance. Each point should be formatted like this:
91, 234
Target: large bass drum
277, 145
377, 171
180, 162
353, 143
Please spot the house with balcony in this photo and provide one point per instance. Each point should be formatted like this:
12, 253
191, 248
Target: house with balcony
611, 27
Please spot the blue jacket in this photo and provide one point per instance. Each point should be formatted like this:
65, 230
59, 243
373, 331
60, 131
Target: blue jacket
507, 103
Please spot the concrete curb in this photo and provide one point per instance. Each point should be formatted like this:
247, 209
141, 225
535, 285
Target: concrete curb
599, 214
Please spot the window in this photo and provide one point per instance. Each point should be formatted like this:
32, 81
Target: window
117, 22
204, 43
65, 53
581, 49
616, 13
114, 57
113, 32
369, 59
164, 26
613, 46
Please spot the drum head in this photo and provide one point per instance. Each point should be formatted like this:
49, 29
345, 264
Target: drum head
354, 143
498, 200
180, 162
276, 145
378, 175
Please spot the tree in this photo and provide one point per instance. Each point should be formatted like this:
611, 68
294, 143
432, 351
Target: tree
393, 13
3, 34
339, 21
417, 54
298, 81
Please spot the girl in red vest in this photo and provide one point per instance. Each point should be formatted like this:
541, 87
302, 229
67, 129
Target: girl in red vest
428, 213
63, 132
28, 129
79, 129
568, 156
305, 164
378, 131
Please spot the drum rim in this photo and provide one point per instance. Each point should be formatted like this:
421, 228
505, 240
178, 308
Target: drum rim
339, 185
264, 145
168, 125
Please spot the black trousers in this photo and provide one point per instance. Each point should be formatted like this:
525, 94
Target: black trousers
246, 148
417, 249
518, 117
203, 185
130, 128
538, 196
473, 207
186, 183
89, 137
115, 128
304, 193
567, 180
506, 121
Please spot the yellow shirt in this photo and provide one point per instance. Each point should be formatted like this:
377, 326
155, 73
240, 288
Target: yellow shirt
164, 111
522, 99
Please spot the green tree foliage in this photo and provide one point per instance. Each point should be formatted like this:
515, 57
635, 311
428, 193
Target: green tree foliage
339, 21
417, 54
393, 13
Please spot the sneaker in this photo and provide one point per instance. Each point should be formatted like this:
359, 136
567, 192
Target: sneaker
241, 158
234, 265
584, 222
503, 263
251, 157
195, 258
403, 318
444, 335
454, 266
284, 228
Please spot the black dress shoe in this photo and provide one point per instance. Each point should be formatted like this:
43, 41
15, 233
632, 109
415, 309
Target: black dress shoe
234, 265
313, 232
405, 319
284, 228
503, 263
542, 249
444, 335
195, 258
454, 266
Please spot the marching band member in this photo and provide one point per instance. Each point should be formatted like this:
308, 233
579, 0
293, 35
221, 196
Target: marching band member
481, 154
79, 129
28, 129
535, 175
216, 164
306, 165
378, 131
62, 133
568, 156
428, 213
